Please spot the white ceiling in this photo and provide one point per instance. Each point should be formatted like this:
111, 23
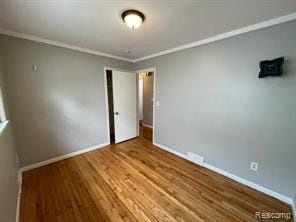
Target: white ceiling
97, 25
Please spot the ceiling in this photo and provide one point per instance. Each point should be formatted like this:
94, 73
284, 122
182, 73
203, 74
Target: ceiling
97, 25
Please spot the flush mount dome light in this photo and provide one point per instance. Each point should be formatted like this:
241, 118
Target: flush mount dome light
133, 18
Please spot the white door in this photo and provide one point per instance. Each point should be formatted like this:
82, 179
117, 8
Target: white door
125, 105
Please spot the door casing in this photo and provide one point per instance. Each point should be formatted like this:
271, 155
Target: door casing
153, 69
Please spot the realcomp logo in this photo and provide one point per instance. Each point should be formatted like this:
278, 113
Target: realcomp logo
272, 215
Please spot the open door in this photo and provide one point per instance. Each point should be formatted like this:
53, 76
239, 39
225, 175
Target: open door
125, 105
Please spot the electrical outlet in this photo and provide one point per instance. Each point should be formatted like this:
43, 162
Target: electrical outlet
254, 166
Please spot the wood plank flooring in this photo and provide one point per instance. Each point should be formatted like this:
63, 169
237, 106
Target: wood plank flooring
146, 132
136, 181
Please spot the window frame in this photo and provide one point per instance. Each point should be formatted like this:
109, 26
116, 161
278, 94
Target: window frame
3, 120
2, 108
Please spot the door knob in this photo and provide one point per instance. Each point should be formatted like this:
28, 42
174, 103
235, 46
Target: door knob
116, 113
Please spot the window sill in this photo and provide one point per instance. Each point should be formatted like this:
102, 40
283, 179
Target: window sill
3, 126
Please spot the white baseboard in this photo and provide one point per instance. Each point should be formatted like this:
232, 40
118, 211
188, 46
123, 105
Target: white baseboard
53, 160
234, 177
171, 151
149, 126
250, 184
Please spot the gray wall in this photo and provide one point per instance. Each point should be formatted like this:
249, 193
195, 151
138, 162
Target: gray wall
60, 108
8, 167
213, 104
147, 100
8, 176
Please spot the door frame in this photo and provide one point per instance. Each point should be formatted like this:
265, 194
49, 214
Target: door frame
152, 69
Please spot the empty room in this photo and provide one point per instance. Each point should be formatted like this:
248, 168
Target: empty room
147, 110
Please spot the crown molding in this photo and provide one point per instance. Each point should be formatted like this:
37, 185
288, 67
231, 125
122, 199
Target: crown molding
59, 44
261, 25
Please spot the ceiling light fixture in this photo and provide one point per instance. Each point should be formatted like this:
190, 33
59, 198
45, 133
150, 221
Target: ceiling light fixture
133, 18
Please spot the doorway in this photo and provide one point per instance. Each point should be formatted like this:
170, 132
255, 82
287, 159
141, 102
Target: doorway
121, 104
129, 104
145, 104
108, 74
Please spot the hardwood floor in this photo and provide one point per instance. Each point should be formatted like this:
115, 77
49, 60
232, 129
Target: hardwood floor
135, 181
146, 132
